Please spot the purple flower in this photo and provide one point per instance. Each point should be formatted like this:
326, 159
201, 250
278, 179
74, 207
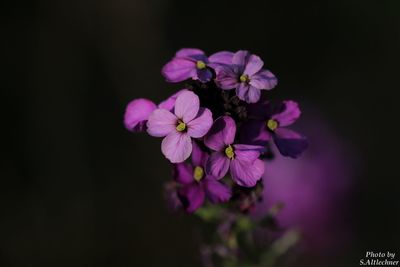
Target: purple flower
193, 63
138, 111
196, 185
271, 123
245, 74
188, 121
242, 160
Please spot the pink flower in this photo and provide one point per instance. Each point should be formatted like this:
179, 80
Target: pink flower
242, 160
188, 121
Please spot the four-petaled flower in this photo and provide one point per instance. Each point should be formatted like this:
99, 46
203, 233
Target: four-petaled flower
188, 121
243, 160
196, 185
193, 63
270, 123
245, 74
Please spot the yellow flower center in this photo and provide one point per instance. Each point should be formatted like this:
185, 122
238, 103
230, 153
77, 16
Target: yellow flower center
198, 173
181, 126
272, 124
200, 64
229, 152
244, 78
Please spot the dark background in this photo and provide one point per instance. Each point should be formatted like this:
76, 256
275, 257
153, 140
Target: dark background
77, 189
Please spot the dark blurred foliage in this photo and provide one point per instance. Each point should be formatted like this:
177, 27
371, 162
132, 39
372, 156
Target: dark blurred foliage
77, 189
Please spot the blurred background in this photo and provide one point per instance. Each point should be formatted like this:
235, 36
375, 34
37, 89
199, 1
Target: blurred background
77, 189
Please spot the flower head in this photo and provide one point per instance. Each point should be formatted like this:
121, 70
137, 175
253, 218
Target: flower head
243, 160
245, 74
270, 123
196, 184
187, 121
193, 63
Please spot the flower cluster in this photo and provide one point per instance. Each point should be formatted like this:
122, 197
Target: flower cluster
218, 124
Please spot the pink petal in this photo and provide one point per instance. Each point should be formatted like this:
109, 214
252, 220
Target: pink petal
223, 57
188, 52
169, 103
253, 65
289, 115
187, 106
226, 78
179, 69
242, 91
240, 58
161, 122
264, 80
221, 134
200, 125
246, 173
136, 114
247, 152
176, 147
248, 93
217, 165
253, 95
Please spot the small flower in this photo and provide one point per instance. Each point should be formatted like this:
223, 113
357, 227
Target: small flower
243, 160
187, 121
196, 184
270, 123
245, 74
138, 111
193, 63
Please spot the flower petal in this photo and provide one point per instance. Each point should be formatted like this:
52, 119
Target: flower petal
179, 69
161, 122
190, 53
221, 134
247, 152
254, 132
226, 77
187, 106
290, 143
264, 80
222, 57
192, 197
217, 165
246, 173
216, 191
200, 125
253, 95
253, 65
183, 173
169, 103
290, 113
176, 147
240, 59
136, 114
248, 93
203, 75
199, 155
